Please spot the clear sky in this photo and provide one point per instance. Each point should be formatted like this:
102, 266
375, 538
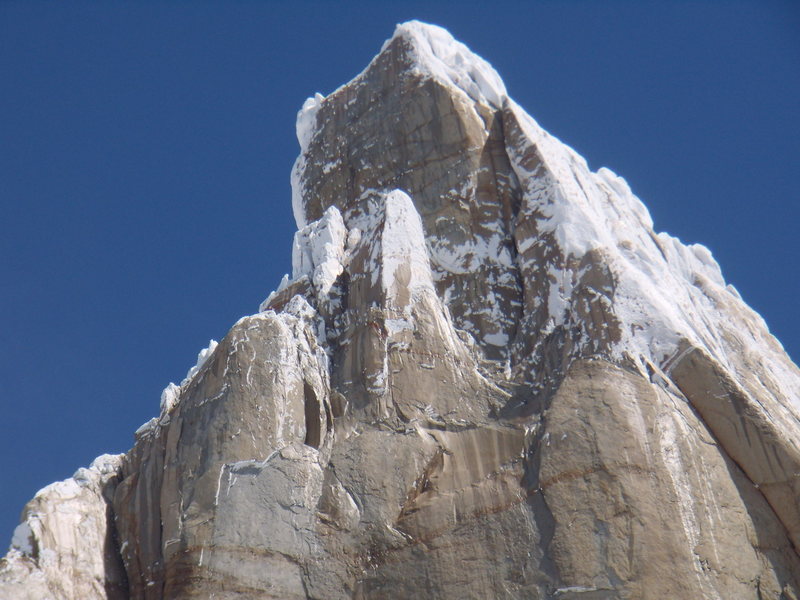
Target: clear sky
146, 150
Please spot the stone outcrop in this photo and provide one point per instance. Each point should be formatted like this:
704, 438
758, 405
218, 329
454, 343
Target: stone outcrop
65, 546
487, 377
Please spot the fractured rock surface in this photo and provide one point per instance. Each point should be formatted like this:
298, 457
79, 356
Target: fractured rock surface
487, 377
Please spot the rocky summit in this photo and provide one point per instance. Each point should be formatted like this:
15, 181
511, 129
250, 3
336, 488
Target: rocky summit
487, 377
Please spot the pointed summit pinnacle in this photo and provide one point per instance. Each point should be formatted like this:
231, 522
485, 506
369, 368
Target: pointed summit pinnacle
487, 377
439, 55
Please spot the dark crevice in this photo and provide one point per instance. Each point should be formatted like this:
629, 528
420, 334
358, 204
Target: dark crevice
312, 413
537, 504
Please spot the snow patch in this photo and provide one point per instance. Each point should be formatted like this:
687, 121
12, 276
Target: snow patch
395, 326
318, 251
106, 464
296, 181
405, 262
169, 398
663, 291
437, 53
307, 120
22, 539
170, 395
304, 127
497, 338
202, 357
146, 427
285, 281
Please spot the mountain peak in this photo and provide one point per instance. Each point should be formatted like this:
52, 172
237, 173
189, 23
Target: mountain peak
485, 356
437, 53
418, 49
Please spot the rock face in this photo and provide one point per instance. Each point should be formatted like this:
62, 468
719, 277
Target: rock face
65, 546
488, 377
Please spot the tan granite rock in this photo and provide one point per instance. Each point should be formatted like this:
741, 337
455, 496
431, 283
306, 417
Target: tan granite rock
487, 377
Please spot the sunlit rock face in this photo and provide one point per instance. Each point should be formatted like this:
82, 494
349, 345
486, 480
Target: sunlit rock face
65, 546
487, 377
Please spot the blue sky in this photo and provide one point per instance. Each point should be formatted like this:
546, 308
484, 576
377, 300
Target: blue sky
146, 150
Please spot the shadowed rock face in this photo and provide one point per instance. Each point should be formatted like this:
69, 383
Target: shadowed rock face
488, 377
